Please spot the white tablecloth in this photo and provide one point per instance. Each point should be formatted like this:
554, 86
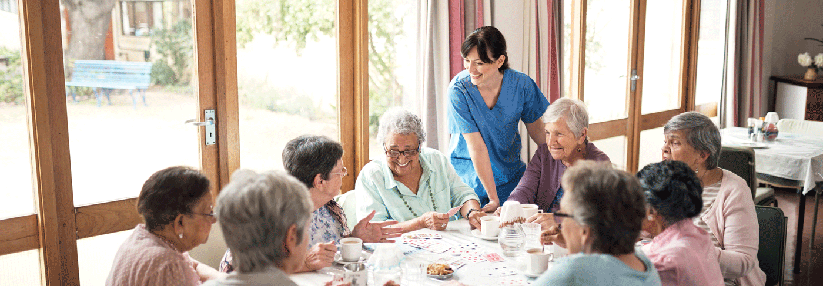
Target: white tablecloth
791, 156
456, 233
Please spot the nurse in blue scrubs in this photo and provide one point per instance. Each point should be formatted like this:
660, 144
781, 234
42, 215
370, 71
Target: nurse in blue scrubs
488, 99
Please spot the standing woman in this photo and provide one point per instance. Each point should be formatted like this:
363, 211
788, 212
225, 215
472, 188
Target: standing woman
488, 99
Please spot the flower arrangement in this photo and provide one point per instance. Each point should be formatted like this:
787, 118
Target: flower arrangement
818, 61
804, 59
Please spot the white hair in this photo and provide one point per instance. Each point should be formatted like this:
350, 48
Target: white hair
400, 121
255, 213
572, 110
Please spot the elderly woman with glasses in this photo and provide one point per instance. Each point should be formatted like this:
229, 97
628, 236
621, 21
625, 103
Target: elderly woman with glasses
317, 162
602, 213
681, 252
567, 127
176, 207
728, 209
414, 185
265, 220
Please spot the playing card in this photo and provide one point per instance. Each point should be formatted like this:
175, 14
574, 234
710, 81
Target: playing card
453, 211
463, 249
513, 281
497, 271
473, 258
493, 257
454, 262
438, 248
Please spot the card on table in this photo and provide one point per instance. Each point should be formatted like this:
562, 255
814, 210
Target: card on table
493, 257
513, 281
498, 270
473, 258
454, 262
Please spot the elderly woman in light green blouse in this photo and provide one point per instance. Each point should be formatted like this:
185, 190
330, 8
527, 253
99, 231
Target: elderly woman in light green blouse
414, 185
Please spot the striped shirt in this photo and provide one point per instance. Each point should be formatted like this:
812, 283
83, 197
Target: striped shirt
709, 196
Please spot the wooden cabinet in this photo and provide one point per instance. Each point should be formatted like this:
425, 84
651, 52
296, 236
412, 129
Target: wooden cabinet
797, 98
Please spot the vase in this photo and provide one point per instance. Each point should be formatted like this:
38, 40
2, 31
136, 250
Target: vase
811, 74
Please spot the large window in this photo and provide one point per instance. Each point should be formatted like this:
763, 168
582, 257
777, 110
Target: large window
141, 18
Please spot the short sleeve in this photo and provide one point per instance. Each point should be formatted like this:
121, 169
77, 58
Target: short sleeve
534, 102
460, 117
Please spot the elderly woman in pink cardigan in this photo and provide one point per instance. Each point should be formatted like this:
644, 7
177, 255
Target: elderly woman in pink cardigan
728, 210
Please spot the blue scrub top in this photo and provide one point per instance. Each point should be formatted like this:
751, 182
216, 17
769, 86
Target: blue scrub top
520, 99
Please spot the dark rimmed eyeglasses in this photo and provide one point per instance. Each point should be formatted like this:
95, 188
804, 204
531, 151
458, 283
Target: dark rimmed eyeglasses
211, 214
407, 153
559, 214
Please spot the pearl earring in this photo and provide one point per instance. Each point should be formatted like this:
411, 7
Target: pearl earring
180, 235
651, 217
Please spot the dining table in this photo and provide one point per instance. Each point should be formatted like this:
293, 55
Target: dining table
456, 234
790, 160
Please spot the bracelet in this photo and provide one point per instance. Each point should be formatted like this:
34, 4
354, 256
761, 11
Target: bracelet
470, 212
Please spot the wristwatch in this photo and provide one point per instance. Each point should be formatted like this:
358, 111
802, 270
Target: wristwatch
470, 212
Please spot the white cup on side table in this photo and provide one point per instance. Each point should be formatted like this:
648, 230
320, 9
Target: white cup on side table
351, 248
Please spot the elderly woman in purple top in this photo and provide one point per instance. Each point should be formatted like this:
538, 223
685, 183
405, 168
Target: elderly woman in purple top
566, 123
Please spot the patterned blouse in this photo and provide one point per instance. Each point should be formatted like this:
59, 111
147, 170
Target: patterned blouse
328, 223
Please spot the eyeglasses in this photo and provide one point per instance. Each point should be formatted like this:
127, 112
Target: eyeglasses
559, 214
407, 153
343, 173
211, 214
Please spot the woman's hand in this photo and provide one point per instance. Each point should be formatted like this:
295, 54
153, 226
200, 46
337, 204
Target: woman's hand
546, 220
553, 235
375, 231
433, 220
320, 256
491, 206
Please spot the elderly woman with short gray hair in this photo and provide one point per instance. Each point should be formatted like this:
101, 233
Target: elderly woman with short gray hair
567, 126
265, 221
413, 184
728, 209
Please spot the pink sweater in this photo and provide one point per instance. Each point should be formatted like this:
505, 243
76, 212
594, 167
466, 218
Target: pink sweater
682, 256
733, 221
145, 259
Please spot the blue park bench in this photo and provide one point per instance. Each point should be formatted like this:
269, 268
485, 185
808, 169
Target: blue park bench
105, 76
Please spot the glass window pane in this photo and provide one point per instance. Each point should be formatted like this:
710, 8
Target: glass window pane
615, 147
607, 51
15, 171
96, 255
651, 144
393, 63
661, 56
124, 123
287, 76
22, 268
710, 47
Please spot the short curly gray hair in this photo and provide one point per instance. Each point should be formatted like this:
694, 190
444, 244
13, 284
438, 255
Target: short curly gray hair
255, 213
400, 121
701, 134
572, 110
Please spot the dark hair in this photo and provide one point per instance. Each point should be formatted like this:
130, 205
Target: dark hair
308, 155
609, 201
170, 192
487, 40
672, 188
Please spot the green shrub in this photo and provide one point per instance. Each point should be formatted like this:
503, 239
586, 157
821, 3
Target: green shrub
174, 47
11, 78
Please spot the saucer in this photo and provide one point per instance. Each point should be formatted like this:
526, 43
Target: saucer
476, 233
338, 258
531, 275
755, 145
440, 277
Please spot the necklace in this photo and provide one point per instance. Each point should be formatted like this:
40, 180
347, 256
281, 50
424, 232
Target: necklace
403, 197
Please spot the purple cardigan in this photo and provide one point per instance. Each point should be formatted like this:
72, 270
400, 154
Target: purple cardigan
542, 178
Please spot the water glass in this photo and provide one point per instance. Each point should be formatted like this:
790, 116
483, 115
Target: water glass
532, 232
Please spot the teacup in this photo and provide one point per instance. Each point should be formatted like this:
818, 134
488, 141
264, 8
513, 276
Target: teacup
489, 225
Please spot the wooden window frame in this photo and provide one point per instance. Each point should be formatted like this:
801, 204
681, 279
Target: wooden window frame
637, 122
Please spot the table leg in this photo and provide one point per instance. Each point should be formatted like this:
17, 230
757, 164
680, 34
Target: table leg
801, 211
814, 220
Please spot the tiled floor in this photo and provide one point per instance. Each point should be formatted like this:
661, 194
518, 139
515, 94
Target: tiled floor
811, 264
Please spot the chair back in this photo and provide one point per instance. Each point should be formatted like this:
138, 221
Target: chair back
800, 126
740, 161
348, 202
772, 247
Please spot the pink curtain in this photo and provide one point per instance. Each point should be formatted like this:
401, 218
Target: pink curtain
464, 17
749, 90
547, 29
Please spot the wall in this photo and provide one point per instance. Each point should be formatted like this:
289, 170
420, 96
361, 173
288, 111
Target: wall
786, 24
10, 33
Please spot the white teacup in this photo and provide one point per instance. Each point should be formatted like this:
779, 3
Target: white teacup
351, 248
489, 225
538, 261
530, 209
